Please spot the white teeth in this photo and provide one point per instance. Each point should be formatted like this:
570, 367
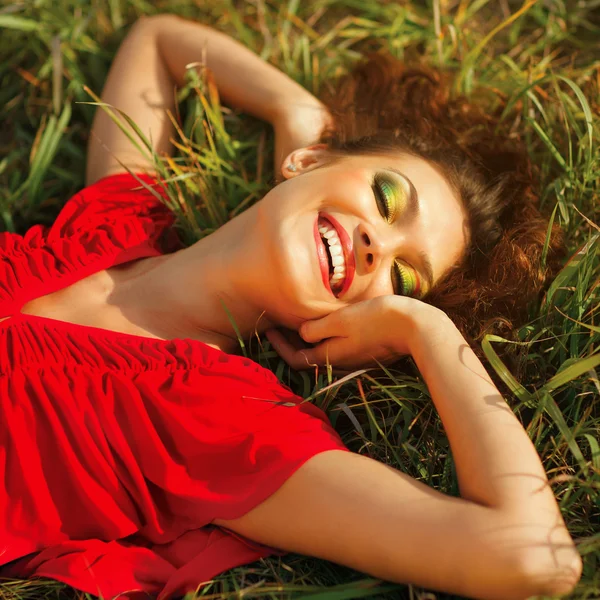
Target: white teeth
339, 273
336, 252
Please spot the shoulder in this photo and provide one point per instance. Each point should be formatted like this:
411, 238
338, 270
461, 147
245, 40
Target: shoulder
122, 216
114, 197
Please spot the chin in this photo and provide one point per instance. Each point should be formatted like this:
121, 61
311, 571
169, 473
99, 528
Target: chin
296, 301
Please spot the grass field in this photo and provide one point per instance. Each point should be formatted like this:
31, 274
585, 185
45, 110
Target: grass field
542, 57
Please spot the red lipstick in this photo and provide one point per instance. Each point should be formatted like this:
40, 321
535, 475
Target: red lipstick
347, 248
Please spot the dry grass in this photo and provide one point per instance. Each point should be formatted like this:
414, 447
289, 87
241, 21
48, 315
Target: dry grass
543, 56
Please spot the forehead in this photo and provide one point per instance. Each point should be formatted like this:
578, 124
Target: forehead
441, 227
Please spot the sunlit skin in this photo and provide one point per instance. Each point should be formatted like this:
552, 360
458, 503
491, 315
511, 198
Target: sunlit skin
344, 189
504, 538
263, 265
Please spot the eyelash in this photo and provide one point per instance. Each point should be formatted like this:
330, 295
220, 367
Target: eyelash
388, 211
384, 204
398, 276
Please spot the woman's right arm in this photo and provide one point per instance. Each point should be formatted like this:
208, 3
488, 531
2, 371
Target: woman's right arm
152, 62
505, 538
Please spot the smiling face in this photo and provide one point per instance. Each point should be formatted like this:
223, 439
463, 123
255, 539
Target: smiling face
339, 232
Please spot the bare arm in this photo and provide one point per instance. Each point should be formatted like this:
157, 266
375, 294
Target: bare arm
505, 538
151, 63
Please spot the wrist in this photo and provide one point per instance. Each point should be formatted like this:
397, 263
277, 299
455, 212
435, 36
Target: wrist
429, 328
303, 113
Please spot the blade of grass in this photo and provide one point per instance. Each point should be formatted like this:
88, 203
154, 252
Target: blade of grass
502, 370
572, 372
18, 23
552, 409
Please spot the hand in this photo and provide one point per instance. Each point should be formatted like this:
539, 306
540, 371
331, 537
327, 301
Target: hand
379, 330
298, 127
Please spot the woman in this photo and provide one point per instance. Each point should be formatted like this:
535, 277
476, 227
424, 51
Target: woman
140, 457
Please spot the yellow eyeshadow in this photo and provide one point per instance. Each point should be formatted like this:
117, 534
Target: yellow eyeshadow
410, 280
405, 186
411, 285
393, 195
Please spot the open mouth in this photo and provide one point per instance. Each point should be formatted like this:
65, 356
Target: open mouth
335, 255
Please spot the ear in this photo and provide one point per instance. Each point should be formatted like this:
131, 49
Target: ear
306, 159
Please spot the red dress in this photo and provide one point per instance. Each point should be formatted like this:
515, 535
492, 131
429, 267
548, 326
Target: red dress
117, 451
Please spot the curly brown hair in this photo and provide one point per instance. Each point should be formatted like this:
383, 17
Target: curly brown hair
384, 105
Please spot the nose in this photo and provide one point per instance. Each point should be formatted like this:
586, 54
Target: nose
369, 249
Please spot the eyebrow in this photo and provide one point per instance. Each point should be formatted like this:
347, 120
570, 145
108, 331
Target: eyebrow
412, 211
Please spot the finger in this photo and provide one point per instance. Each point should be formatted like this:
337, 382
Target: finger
332, 325
332, 352
286, 338
293, 337
345, 356
297, 358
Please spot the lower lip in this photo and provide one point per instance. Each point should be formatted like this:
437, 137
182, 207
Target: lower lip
322, 255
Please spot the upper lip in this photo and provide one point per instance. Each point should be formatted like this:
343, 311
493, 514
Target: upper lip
348, 251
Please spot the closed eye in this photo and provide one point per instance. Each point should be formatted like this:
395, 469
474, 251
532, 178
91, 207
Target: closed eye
405, 280
390, 196
386, 197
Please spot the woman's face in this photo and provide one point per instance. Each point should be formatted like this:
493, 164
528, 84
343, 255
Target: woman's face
339, 232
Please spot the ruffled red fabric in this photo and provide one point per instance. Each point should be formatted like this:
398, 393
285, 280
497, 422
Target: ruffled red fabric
118, 451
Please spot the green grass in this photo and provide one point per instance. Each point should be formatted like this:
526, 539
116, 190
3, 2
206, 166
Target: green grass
542, 56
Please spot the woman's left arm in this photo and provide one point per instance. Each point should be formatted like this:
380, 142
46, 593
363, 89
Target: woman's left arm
496, 463
152, 62
504, 538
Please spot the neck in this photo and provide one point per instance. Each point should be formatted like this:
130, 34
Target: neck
198, 292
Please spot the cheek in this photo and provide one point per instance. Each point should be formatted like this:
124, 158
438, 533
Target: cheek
354, 186
352, 179
349, 185
384, 282
380, 285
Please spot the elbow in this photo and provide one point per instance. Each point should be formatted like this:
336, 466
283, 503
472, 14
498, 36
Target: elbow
549, 573
153, 29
